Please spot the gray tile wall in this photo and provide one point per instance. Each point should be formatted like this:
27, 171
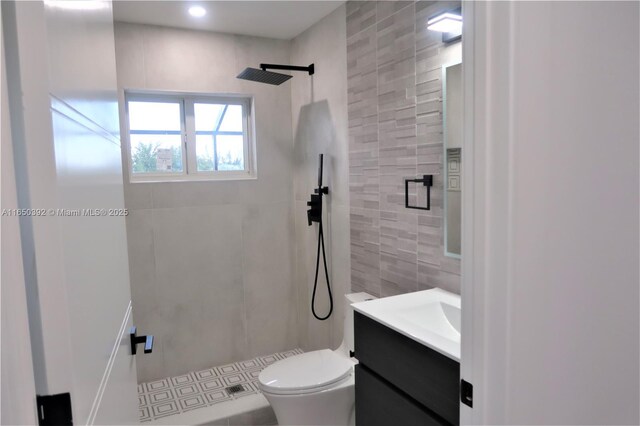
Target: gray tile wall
211, 263
394, 67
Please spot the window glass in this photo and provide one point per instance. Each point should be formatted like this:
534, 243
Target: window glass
232, 121
230, 150
182, 137
154, 116
205, 153
155, 137
219, 137
208, 116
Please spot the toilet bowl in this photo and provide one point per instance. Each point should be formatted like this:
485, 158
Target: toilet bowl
315, 388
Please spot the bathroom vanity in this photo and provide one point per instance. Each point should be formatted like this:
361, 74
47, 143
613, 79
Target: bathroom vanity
408, 348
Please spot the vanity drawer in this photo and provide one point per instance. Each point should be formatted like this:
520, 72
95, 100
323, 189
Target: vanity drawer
380, 404
427, 376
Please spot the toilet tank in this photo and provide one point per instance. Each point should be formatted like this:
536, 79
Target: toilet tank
347, 339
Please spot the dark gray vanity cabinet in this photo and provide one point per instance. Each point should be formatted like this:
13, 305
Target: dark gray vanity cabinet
400, 381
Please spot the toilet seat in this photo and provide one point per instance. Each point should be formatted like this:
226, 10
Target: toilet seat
306, 373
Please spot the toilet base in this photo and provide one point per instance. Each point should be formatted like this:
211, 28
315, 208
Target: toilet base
334, 406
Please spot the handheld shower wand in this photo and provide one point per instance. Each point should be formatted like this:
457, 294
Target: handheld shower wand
314, 214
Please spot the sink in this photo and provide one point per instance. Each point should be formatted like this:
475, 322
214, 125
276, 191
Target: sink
430, 317
453, 315
441, 318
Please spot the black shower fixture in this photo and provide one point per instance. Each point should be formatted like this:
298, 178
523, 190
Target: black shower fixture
314, 214
263, 76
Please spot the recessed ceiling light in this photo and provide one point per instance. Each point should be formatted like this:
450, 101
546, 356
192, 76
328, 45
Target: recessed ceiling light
197, 11
446, 23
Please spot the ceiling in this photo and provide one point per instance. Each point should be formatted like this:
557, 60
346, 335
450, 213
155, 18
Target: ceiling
265, 18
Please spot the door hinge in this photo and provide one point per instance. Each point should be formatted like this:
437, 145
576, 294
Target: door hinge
54, 409
466, 393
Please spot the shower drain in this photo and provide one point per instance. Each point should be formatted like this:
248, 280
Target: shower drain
235, 389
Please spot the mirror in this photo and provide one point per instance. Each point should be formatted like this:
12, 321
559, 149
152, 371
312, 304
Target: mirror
452, 137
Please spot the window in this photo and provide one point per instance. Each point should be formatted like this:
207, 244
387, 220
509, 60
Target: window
176, 137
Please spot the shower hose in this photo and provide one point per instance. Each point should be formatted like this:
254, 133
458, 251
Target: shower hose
326, 274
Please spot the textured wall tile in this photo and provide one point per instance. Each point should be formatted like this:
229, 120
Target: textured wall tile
360, 15
388, 8
430, 276
395, 133
365, 250
400, 272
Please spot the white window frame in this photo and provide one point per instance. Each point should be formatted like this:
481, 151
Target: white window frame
188, 134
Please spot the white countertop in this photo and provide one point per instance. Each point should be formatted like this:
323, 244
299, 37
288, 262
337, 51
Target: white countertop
430, 317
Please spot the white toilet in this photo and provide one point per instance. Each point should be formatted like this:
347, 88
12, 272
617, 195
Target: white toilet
315, 388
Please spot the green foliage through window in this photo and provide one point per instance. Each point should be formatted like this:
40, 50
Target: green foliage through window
145, 156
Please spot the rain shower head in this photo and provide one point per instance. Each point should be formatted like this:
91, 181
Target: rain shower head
263, 76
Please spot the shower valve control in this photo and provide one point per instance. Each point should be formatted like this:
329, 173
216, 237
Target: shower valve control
314, 214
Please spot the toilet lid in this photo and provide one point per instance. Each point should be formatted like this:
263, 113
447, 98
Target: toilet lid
307, 371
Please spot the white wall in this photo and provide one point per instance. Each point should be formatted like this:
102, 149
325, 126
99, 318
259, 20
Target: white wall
553, 285
212, 263
64, 120
319, 112
18, 388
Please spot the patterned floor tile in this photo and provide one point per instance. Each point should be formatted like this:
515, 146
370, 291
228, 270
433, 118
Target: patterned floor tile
268, 360
160, 396
252, 375
205, 374
210, 385
234, 379
192, 402
157, 385
227, 369
283, 355
165, 409
144, 413
249, 365
142, 399
183, 380
186, 392
217, 396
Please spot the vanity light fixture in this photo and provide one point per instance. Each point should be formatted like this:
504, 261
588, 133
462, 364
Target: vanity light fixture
448, 23
197, 11
445, 23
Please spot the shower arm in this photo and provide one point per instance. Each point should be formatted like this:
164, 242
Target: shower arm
310, 69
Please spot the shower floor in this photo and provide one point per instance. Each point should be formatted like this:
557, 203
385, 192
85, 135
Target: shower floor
200, 389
